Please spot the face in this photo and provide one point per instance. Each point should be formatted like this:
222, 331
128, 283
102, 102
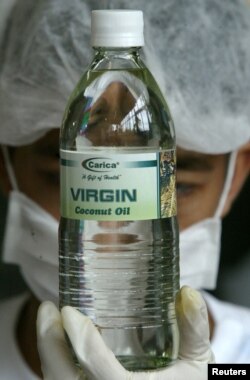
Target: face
200, 178
200, 181
36, 167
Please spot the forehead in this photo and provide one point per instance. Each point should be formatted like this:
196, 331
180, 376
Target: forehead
50, 138
190, 160
46, 143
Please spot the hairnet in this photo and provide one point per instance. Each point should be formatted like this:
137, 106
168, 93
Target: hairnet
204, 59
46, 48
204, 51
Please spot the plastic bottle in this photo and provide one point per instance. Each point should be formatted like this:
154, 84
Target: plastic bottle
119, 261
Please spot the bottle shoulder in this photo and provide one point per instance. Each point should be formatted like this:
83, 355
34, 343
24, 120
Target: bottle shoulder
116, 61
118, 104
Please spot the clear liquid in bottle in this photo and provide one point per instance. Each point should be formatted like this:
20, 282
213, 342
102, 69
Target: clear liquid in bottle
118, 235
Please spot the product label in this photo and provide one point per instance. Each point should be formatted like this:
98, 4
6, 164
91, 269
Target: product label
131, 186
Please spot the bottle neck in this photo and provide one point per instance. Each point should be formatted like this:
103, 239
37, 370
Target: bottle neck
110, 51
115, 58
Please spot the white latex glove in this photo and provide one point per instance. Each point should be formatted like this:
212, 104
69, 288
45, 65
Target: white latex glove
99, 363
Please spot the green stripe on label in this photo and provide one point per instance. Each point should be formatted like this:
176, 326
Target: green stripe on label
69, 163
140, 164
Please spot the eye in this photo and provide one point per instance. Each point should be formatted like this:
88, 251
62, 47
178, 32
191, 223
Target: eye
184, 189
52, 177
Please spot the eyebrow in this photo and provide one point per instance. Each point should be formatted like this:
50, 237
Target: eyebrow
194, 163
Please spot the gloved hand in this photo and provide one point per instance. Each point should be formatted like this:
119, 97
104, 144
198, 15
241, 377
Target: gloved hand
99, 363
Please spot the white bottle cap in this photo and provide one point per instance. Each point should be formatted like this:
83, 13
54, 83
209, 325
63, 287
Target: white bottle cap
117, 28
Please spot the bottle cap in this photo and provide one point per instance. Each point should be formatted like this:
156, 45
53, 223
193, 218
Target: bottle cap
117, 28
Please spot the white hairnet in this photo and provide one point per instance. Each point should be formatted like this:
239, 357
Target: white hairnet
46, 48
5, 9
203, 48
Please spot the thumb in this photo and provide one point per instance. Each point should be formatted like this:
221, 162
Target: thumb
193, 324
93, 355
56, 358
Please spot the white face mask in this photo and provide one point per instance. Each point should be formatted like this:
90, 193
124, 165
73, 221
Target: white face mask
200, 244
200, 254
31, 240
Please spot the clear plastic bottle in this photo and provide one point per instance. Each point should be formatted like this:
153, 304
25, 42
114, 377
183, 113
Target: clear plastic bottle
118, 235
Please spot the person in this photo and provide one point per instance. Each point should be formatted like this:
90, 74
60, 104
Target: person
41, 61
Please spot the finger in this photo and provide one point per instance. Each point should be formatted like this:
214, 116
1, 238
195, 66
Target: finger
193, 324
98, 361
56, 358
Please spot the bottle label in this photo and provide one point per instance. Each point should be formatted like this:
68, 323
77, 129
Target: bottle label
129, 186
